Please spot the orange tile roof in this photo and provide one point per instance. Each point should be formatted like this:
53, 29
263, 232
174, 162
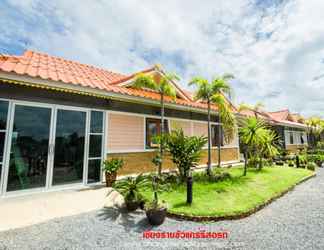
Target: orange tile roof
280, 115
41, 65
274, 117
44, 66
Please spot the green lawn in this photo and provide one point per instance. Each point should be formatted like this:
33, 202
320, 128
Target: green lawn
232, 196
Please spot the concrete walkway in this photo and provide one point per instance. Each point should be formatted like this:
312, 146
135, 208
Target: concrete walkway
22, 211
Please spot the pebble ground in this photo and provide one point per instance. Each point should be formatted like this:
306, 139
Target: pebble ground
295, 221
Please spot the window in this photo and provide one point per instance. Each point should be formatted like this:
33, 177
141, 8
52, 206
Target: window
215, 135
302, 138
153, 128
95, 146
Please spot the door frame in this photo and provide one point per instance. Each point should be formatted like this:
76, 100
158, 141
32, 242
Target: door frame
51, 146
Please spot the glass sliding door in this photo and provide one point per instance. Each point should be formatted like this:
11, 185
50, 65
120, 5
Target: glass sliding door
3, 129
95, 146
29, 148
69, 147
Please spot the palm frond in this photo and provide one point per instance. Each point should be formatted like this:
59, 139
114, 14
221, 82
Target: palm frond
226, 116
145, 81
165, 85
244, 106
203, 91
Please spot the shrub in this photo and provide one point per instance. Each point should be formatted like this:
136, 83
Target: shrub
185, 150
112, 165
130, 187
215, 177
253, 162
279, 163
315, 157
311, 166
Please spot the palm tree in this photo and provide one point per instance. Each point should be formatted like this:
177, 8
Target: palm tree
314, 128
250, 135
164, 87
269, 145
213, 93
256, 108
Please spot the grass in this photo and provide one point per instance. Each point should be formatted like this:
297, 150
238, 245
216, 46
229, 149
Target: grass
233, 196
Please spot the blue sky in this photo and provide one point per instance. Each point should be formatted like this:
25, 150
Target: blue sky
275, 48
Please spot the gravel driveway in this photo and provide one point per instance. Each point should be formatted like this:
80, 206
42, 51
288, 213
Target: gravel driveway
295, 221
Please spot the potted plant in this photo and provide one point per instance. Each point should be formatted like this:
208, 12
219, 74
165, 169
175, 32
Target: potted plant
156, 211
110, 167
130, 189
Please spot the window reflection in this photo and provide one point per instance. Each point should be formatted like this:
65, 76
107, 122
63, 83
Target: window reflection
215, 130
69, 147
96, 122
153, 129
3, 114
29, 148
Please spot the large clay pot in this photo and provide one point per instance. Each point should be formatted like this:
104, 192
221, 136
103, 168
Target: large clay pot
110, 178
131, 205
156, 216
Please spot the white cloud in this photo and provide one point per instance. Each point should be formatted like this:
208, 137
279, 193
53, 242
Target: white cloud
275, 51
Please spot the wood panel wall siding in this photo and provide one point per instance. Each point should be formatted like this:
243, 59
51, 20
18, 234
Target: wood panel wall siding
184, 125
234, 142
200, 129
125, 132
136, 163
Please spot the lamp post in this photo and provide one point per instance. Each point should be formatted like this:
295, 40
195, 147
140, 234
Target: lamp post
189, 188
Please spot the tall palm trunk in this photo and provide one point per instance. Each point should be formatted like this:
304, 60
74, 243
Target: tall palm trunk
209, 140
162, 134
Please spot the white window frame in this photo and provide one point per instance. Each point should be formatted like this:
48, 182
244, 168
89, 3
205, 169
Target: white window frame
54, 108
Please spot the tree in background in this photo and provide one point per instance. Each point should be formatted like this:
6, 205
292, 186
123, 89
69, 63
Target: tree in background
213, 93
315, 127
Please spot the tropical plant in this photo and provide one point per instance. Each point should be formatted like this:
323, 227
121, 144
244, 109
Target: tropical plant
185, 150
112, 165
259, 141
213, 93
269, 145
131, 188
163, 86
315, 126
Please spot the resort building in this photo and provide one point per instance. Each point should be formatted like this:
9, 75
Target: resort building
60, 119
291, 129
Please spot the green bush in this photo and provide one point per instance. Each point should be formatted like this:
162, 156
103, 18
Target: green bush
130, 187
185, 150
217, 175
311, 166
291, 163
280, 163
315, 157
112, 165
253, 162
